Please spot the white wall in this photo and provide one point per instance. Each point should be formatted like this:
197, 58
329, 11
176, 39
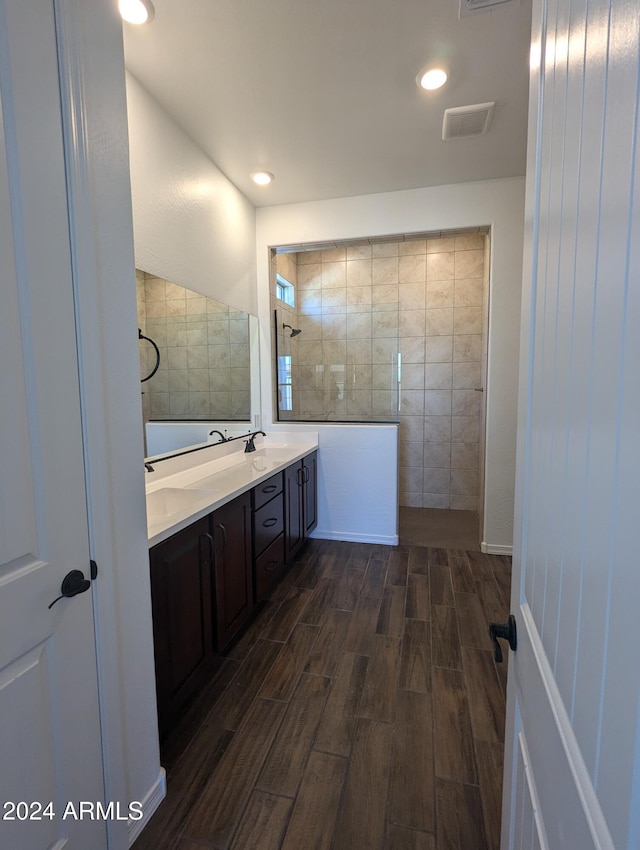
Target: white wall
191, 225
498, 203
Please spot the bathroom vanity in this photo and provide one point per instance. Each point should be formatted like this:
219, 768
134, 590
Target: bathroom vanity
223, 528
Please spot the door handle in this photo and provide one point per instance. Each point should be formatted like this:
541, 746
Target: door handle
72, 584
507, 631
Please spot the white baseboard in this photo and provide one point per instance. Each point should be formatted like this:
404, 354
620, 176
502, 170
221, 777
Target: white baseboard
383, 540
152, 800
495, 549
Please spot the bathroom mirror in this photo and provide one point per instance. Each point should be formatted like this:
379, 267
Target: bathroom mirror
207, 359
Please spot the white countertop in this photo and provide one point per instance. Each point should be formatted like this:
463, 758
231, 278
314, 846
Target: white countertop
183, 489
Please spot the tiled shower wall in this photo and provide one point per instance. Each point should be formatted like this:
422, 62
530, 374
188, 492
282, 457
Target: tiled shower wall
427, 299
204, 354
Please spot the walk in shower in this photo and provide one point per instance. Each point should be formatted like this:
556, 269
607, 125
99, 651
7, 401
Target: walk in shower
391, 329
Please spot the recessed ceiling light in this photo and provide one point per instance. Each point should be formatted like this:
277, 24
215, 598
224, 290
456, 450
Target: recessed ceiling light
136, 11
433, 79
262, 178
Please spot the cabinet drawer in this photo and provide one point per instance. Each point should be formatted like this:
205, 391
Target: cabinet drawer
269, 567
267, 490
268, 523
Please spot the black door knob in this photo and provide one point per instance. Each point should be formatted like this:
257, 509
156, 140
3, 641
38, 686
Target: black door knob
72, 584
508, 632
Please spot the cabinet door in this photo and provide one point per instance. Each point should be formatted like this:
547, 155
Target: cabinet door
294, 522
310, 494
231, 528
182, 617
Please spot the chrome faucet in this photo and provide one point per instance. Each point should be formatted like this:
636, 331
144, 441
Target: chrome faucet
250, 447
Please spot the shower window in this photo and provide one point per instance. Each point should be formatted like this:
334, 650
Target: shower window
285, 291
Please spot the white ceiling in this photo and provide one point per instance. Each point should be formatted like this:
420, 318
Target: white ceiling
323, 93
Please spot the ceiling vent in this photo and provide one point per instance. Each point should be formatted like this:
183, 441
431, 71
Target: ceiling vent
472, 7
464, 121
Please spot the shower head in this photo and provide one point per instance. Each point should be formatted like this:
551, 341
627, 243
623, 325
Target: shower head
294, 331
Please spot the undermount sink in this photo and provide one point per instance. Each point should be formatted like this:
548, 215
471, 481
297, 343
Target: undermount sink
172, 500
271, 453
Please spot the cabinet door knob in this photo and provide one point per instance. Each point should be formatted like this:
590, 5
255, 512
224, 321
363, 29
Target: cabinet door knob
268, 523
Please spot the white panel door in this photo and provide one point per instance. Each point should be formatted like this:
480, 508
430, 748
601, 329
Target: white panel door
572, 775
50, 749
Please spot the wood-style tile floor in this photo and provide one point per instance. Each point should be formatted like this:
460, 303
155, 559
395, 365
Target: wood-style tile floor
362, 710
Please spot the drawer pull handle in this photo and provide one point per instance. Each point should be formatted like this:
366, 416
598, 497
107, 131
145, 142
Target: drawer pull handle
224, 533
269, 569
268, 523
270, 488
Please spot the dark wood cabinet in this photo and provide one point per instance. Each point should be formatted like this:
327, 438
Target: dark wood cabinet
181, 595
268, 534
294, 521
207, 579
231, 528
310, 492
301, 503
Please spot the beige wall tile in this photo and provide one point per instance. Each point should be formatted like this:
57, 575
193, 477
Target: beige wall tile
359, 273
217, 333
197, 334
311, 328
437, 402
469, 263
410, 500
385, 296
383, 404
410, 478
334, 275
197, 357
384, 324
439, 321
413, 376
437, 429
177, 357
436, 480
438, 376
333, 255
159, 404
359, 296
310, 302
464, 429
309, 277
412, 402
464, 482
463, 503
412, 428
383, 377
332, 298
437, 455
412, 323
412, 268
411, 454
178, 403
469, 242
465, 403
306, 257
220, 380
384, 270
441, 266
411, 296
156, 309
467, 347
384, 350
358, 325
467, 320
412, 246
464, 456
440, 293
439, 349
177, 380
359, 402
359, 350
466, 375
200, 403
412, 349
334, 353
310, 352
358, 252
468, 292
445, 243
219, 356
384, 249
195, 306
334, 327
435, 500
